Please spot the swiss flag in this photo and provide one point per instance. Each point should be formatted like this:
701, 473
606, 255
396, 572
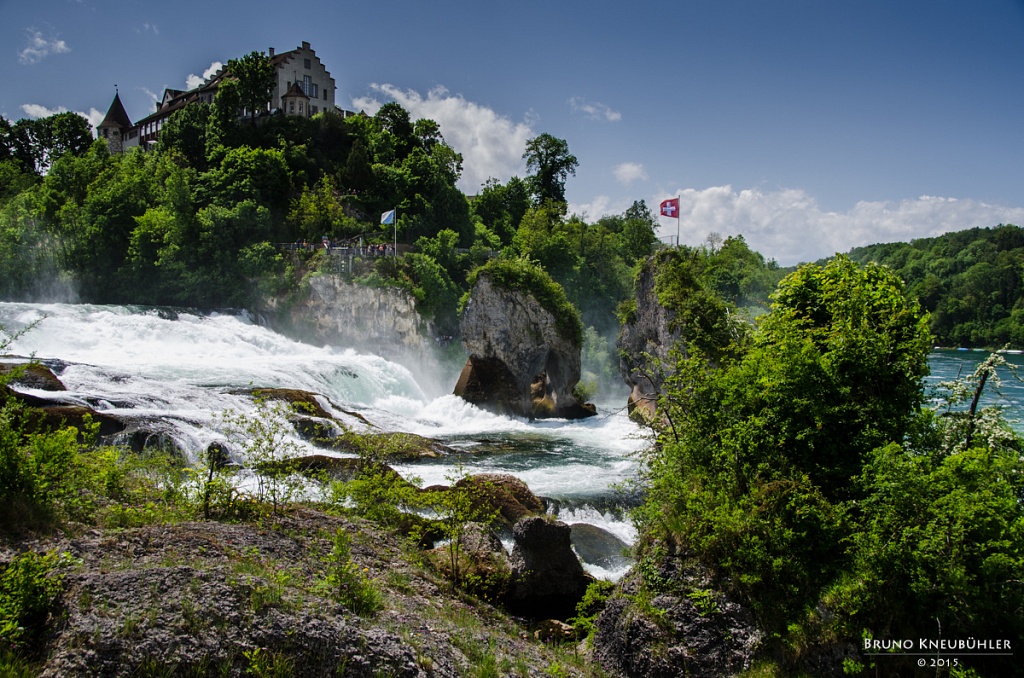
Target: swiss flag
670, 208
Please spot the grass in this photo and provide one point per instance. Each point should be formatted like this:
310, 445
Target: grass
14, 665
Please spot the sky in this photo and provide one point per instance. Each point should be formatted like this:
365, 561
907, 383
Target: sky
807, 126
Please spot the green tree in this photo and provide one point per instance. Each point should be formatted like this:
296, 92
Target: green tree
254, 174
185, 133
436, 295
550, 162
638, 232
256, 77
36, 144
396, 137
222, 130
869, 341
971, 281
101, 233
757, 462
501, 207
319, 211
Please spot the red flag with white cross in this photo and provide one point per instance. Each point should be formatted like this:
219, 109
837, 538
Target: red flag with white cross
670, 208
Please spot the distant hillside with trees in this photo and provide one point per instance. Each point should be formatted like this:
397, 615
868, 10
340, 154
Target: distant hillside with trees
972, 283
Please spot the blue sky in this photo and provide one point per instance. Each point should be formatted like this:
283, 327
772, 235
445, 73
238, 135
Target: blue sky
807, 126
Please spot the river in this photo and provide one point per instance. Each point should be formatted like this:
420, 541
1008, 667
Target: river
180, 367
949, 364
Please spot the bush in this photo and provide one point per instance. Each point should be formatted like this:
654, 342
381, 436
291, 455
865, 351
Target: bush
28, 587
263, 438
346, 583
594, 599
36, 470
755, 470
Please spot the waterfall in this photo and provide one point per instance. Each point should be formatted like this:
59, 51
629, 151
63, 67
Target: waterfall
181, 370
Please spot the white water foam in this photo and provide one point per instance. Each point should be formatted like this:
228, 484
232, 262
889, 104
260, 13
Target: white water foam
182, 367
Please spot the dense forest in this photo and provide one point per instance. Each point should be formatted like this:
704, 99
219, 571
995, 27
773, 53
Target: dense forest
969, 281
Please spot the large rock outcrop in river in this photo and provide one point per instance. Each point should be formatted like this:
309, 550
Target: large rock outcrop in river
342, 313
523, 340
677, 310
646, 338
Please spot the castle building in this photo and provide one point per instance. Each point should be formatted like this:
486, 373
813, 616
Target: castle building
304, 87
117, 128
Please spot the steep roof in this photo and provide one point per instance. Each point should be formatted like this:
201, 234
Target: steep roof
116, 115
295, 91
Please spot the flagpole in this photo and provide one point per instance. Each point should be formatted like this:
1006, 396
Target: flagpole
396, 233
678, 212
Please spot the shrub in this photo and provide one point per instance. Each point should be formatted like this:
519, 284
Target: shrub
521, 274
28, 587
263, 438
346, 583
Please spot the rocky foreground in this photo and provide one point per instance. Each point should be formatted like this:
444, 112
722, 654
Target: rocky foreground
209, 598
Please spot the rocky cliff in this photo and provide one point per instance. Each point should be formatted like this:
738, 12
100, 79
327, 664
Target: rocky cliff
345, 314
520, 361
644, 343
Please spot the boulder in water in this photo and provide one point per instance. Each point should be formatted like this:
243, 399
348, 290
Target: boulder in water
505, 495
34, 375
149, 437
391, 447
596, 546
300, 401
547, 578
524, 359
53, 418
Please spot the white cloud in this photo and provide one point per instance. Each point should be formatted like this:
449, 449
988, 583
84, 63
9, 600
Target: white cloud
94, 117
193, 80
40, 47
594, 110
599, 206
151, 94
628, 172
36, 111
491, 145
789, 226
152, 28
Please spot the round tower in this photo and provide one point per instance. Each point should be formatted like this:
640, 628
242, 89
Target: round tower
115, 125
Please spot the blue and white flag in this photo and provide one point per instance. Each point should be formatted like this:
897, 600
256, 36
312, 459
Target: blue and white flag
388, 217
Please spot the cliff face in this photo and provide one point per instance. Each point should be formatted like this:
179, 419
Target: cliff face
344, 314
518, 363
644, 344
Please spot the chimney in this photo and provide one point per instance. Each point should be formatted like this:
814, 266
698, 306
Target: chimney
271, 51
305, 45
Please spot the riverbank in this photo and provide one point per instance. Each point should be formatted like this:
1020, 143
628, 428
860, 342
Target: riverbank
256, 598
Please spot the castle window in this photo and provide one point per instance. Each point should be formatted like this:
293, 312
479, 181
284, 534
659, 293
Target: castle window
308, 64
310, 88
312, 110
